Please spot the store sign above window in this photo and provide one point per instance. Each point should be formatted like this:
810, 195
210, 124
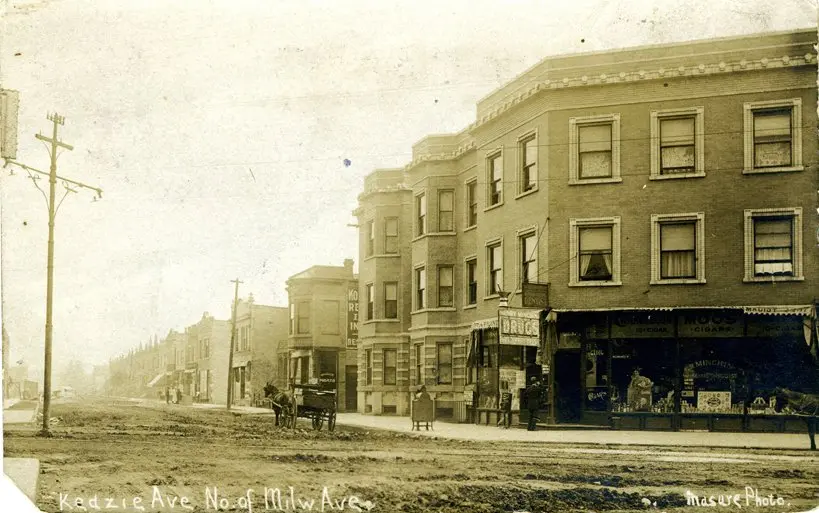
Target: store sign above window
710, 323
352, 316
519, 327
535, 295
642, 325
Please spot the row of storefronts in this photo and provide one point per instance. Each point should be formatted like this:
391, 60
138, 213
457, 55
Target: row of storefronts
664, 368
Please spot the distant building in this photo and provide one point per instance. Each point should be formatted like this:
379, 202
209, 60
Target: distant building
259, 328
202, 365
323, 329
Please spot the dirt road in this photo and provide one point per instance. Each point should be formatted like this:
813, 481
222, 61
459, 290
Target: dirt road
176, 458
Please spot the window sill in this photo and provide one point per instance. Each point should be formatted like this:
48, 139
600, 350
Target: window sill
492, 207
470, 307
700, 174
439, 309
470, 228
491, 296
772, 279
526, 193
766, 170
419, 237
596, 284
678, 281
442, 234
589, 181
378, 321
383, 255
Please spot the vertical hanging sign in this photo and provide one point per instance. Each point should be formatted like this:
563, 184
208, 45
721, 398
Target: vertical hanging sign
352, 316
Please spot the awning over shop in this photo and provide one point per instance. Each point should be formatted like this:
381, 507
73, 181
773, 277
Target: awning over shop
804, 310
485, 324
156, 379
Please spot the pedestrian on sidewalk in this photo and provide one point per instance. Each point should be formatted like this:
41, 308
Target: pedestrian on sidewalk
533, 393
506, 409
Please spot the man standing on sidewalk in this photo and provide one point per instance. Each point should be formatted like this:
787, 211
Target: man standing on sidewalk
533, 393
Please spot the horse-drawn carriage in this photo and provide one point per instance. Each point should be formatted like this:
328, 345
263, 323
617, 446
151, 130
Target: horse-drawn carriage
310, 401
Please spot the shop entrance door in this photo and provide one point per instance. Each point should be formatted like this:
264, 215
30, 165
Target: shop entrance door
567, 386
351, 388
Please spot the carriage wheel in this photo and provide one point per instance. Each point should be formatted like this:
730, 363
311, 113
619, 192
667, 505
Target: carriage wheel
318, 421
285, 417
331, 421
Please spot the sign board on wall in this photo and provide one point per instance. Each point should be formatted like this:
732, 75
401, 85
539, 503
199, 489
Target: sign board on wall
707, 324
352, 316
535, 295
519, 327
714, 401
659, 324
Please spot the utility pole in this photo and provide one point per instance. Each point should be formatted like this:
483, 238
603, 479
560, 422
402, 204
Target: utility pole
232, 344
56, 121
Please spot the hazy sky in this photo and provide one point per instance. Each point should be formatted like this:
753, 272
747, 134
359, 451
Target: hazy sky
218, 131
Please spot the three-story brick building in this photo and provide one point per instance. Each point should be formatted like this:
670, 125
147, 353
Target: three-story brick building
666, 195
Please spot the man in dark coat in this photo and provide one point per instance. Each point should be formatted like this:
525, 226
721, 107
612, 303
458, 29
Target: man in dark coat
533, 393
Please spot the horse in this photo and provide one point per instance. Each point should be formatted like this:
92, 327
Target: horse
804, 405
279, 399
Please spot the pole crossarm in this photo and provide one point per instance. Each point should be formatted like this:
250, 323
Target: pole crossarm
52, 175
63, 179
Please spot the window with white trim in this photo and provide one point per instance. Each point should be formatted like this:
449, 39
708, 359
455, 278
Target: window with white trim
528, 257
443, 361
420, 288
527, 149
421, 214
773, 136
446, 286
678, 248
368, 365
678, 143
370, 301
446, 205
472, 281
494, 179
773, 244
370, 238
303, 312
391, 235
595, 251
391, 300
390, 366
472, 203
494, 267
594, 149
419, 364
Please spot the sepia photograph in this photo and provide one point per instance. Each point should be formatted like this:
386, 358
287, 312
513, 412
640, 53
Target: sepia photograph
523, 256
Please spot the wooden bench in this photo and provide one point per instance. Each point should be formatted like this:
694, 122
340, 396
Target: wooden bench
422, 411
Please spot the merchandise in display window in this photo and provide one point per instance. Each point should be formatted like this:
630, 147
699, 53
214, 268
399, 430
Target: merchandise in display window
643, 375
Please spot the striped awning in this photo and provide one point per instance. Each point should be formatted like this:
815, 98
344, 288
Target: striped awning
156, 379
485, 324
804, 310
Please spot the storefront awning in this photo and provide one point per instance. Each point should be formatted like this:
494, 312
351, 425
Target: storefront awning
156, 379
485, 324
804, 310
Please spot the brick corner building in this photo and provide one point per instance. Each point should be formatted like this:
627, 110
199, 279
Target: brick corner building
661, 200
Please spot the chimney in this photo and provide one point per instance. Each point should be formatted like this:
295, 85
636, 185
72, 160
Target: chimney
348, 264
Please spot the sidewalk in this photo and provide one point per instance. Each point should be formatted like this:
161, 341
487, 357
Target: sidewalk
591, 436
21, 412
